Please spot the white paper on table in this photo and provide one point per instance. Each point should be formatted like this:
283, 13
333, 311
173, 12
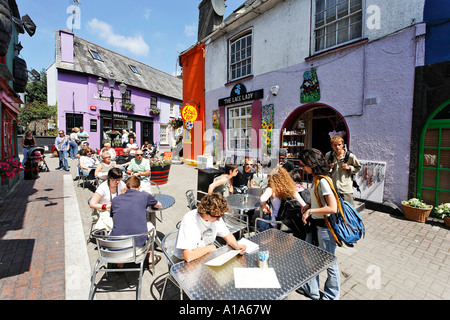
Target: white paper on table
246, 278
220, 260
251, 246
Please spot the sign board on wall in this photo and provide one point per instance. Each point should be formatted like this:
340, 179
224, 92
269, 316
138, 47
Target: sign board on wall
239, 94
370, 180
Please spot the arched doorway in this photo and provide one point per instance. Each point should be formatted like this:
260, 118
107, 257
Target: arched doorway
318, 120
433, 183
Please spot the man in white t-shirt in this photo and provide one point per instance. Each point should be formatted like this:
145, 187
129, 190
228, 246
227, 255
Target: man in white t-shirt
199, 229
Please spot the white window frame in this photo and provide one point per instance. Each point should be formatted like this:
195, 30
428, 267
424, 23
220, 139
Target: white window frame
134, 69
172, 109
332, 26
239, 135
238, 59
95, 55
163, 134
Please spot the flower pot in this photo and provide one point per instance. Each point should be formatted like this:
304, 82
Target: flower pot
160, 174
447, 221
416, 214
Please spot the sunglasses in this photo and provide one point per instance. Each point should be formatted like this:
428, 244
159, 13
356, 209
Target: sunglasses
139, 155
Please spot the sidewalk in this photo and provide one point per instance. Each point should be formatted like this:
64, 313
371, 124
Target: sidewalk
44, 225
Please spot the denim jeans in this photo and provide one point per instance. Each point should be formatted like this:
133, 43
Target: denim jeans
63, 159
333, 282
73, 149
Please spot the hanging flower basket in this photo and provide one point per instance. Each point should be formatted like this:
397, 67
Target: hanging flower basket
155, 111
129, 106
176, 123
416, 210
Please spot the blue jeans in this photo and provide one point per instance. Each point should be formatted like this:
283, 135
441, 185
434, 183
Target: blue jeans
333, 282
73, 149
63, 159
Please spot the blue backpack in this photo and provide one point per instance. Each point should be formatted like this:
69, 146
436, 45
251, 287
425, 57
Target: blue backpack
346, 225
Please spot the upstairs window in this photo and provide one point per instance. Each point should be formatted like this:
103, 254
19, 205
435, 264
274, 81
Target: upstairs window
95, 55
240, 56
336, 22
134, 69
153, 102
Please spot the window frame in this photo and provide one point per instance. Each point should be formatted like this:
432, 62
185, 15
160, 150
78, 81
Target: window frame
335, 22
234, 40
247, 139
166, 136
134, 69
153, 102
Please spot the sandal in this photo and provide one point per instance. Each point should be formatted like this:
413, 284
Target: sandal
157, 259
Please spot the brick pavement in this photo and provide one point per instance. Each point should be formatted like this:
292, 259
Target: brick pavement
398, 259
32, 240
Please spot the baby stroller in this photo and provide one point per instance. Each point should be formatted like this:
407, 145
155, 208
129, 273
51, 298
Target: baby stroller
37, 154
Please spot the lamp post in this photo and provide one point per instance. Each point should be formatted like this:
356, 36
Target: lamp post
111, 82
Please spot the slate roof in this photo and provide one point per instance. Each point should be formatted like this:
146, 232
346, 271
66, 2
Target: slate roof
150, 79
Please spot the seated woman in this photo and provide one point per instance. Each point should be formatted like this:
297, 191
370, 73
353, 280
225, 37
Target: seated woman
101, 200
87, 164
132, 146
103, 167
223, 184
111, 151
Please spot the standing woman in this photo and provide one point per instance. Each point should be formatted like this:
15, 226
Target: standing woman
124, 138
314, 163
280, 187
73, 144
28, 141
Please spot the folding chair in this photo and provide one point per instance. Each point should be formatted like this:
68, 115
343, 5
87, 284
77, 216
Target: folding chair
81, 177
168, 245
121, 249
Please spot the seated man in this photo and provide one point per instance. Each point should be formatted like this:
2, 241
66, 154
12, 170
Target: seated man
124, 160
140, 167
245, 174
199, 229
129, 212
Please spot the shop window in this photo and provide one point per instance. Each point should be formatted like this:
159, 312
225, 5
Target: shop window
73, 120
163, 134
9, 145
336, 22
240, 56
239, 128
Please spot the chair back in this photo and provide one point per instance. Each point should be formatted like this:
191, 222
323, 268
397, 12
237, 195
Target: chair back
123, 249
168, 244
192, 198
153, 184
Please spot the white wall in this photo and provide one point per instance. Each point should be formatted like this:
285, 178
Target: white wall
52, 85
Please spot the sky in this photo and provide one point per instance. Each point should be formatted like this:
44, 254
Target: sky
149, 31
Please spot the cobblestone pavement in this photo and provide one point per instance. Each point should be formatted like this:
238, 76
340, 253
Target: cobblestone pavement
44, 225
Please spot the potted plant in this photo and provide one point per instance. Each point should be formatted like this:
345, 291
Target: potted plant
129, 106
443, 211
9, 168
155, 111
416, 210
159, 171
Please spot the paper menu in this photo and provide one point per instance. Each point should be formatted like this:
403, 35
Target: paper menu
220, 260
251, 246
247, 278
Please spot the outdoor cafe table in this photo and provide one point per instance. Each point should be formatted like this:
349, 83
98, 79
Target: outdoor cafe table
166, 202
237, 201
294, 261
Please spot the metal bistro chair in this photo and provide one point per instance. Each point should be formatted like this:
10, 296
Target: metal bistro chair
121, 249
168, 245
81, 177
235, 222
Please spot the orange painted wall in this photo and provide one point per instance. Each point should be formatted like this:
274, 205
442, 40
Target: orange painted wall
193, 64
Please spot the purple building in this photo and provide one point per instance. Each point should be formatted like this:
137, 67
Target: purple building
152, 97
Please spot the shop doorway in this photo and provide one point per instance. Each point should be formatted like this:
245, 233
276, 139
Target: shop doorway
433, 184
317, 122
147, 132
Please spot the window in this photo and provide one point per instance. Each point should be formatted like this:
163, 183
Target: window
73, 120
153, 102
95, 55
241, 56
163, 134
336, 22
172, 109
127, 96
134, 69
239, 127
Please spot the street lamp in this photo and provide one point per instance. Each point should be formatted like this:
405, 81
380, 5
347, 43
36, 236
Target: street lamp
112, 83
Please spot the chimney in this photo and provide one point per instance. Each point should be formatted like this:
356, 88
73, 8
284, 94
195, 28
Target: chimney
66, 46
210, 17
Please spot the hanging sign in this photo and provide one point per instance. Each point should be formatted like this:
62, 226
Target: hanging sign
239, 94
189, 125
189, 113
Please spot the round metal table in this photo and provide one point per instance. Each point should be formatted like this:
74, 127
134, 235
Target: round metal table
238, 202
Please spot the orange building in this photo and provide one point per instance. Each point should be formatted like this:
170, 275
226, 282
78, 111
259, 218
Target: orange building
193, 63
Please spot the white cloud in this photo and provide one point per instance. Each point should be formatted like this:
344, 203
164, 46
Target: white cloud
190, 30
135, 44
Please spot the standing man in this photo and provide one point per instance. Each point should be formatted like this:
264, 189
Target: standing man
62, 145
344, 165
82, 135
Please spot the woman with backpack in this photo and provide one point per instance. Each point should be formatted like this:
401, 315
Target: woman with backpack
314, 163
280, 187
